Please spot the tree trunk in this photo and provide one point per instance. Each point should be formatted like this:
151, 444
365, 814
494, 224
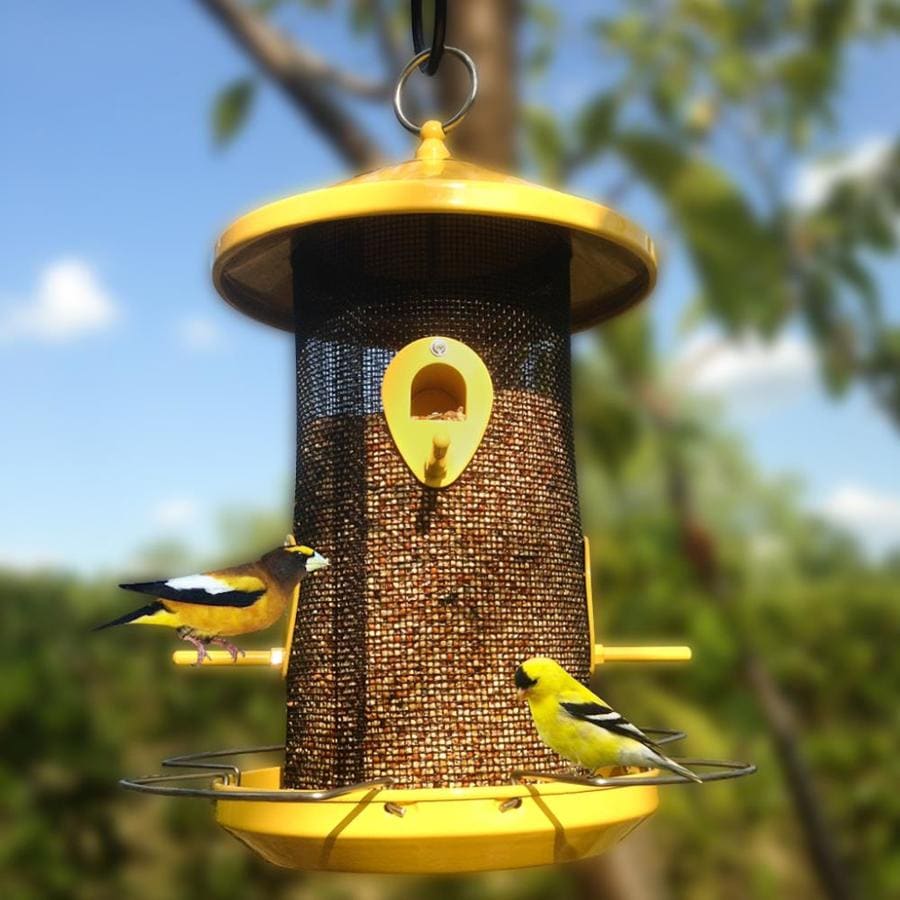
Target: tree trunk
699, 546
488, 32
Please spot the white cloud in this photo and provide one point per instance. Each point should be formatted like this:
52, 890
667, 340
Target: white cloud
199, 334
68, 302
175, 512
816, 181
874, 516
746, 368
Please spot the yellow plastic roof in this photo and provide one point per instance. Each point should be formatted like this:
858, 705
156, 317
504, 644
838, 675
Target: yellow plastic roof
613, 261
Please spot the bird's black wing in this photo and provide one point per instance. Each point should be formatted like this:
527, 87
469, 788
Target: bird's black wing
605, 717
197, 590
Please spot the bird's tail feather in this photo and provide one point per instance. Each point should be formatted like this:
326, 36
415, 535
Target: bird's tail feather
679, 769
147, 610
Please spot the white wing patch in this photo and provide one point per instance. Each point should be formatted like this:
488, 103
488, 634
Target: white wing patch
624, 725
602, 717
199, 583
613, 718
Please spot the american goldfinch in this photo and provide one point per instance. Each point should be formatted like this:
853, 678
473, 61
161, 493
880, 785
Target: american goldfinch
207, 608
580, 727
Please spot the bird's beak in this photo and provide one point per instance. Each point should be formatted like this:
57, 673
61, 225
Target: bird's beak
317, 561
522, 693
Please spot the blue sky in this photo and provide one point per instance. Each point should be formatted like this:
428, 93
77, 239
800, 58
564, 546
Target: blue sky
154, 406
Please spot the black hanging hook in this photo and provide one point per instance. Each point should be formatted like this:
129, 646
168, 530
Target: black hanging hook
438, 33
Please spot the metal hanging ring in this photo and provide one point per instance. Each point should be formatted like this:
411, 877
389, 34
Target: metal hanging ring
411, 66
438, 34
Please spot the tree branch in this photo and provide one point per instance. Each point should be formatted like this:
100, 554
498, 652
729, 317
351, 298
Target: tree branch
489, 33
305, 79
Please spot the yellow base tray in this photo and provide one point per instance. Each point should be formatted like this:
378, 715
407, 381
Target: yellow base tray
434, 830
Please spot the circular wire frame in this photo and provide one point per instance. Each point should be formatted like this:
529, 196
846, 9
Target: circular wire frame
229, 775
664, 735
411, 67
727, 769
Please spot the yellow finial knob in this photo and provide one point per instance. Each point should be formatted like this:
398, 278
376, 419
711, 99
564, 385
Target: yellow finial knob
432, 146
432, 129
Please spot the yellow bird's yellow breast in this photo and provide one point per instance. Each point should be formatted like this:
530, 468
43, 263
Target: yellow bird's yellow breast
580, 743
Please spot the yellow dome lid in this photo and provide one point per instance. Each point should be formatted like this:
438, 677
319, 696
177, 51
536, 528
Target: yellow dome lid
613, 261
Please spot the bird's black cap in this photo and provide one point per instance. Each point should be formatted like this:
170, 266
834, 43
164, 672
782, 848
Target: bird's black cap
523, 681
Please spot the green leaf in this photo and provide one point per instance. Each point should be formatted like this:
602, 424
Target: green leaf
595, 123
231, 108
265, 7
544, 16
538, 60
545, 142
861, 280
738, 261
839, 354
362, 16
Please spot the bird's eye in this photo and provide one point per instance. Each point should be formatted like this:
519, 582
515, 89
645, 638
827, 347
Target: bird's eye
523, 680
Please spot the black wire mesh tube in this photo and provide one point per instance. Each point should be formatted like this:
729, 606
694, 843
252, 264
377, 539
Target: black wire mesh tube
403, 652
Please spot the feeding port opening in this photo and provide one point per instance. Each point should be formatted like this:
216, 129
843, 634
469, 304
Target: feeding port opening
438, 391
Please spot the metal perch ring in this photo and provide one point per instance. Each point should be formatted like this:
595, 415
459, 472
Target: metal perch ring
411, 67
725, 769
230, 775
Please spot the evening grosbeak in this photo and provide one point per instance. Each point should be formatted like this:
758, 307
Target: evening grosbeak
207, 608
580, 727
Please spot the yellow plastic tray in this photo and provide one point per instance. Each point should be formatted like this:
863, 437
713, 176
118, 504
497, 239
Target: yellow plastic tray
434, 830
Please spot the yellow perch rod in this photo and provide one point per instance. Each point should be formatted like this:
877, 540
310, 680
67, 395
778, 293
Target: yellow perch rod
603, 654
272, 658
275, 657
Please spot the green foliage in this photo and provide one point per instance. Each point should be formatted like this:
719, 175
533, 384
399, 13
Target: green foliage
80, 710
595, 125
834, 242
736, 258
818, 613
231, 109
546, 143
544, 31
712, 106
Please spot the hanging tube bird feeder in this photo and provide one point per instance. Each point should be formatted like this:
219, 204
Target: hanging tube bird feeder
432, 304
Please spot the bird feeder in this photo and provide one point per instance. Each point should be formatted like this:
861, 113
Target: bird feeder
432, 304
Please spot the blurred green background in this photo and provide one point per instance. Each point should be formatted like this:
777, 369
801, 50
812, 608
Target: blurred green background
698, 118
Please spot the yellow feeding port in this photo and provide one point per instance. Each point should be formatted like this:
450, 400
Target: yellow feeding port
437, 396
434, 830
438, 391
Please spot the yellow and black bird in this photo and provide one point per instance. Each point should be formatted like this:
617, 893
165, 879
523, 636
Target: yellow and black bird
581, 727
208, 608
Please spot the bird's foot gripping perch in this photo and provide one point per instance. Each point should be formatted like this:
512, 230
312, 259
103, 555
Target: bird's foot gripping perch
187, 634
232, 649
